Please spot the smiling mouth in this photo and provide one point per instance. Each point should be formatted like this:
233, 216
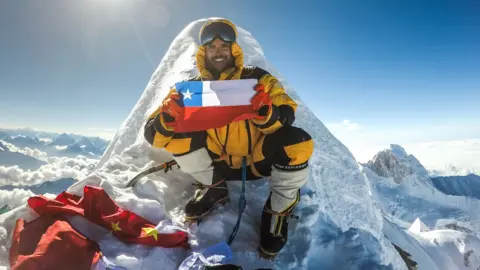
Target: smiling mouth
219, 59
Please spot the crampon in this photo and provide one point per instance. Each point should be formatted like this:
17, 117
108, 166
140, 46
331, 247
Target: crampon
189, 221
265, 255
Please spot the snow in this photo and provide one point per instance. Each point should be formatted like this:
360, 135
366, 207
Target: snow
418, 226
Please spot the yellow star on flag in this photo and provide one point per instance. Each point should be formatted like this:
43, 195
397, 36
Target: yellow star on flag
116, 226
151, 232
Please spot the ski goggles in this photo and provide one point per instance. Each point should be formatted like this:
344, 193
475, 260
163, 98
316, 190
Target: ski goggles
217, 29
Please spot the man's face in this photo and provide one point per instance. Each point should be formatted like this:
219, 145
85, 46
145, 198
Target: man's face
219, 54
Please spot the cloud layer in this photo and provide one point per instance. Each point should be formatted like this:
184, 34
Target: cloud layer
458, 157
57, 167
14, 198
35, 153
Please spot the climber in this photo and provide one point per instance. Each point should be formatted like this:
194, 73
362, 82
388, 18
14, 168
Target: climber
272, 146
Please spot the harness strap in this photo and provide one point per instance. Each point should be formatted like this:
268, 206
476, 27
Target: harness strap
242, 203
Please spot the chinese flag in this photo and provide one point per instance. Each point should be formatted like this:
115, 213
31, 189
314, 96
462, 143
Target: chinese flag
51, 243
99, 208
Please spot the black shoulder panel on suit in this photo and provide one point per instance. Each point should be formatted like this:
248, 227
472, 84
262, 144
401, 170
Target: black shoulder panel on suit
251, 72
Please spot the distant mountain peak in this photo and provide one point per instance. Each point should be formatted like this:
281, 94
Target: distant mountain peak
396, 163
53, 143
398, 150
387, 164
63, 139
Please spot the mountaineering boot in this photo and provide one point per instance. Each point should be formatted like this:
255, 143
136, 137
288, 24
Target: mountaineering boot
274, 229
206, 197
212, 188
283, 198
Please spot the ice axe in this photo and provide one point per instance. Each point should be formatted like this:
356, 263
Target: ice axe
164, 166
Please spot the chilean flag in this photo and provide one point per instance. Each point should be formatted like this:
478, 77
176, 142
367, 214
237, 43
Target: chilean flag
214, 104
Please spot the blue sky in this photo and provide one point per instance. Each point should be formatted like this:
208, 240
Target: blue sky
388, 67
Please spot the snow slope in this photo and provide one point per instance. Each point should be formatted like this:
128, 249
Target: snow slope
340, 227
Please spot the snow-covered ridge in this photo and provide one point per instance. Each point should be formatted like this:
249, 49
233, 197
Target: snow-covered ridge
468, 185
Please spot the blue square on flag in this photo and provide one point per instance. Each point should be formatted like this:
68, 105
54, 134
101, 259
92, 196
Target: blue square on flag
191, 93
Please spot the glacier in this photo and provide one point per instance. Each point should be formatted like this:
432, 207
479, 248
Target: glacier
349, 212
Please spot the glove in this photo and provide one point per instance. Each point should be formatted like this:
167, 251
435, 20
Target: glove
261, 102
171, 110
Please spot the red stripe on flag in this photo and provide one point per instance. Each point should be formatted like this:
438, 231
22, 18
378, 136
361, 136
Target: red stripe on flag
203, 118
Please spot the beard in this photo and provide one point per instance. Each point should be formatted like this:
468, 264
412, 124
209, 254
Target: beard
219, 63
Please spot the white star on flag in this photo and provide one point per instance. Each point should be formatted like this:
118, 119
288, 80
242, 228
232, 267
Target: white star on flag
187, 94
